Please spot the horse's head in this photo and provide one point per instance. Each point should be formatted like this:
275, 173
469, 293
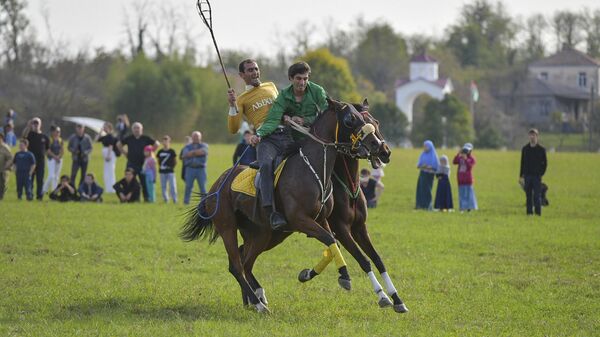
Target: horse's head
383, 153
354, 129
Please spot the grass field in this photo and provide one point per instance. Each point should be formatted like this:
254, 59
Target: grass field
120, 270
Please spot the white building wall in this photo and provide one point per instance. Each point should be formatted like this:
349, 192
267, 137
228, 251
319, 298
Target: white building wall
425, 70
406, 94
569, 75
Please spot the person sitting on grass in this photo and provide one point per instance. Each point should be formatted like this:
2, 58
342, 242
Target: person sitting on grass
64, 191
128, 188
89, 190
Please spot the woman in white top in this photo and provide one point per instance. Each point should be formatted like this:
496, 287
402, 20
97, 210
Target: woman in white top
109, 153
54, 155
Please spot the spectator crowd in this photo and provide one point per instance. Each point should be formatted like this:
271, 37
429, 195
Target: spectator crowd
148, 162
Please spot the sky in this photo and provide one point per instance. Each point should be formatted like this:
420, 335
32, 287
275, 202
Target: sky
253, 26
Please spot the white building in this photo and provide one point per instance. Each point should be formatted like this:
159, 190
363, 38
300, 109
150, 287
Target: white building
424, 79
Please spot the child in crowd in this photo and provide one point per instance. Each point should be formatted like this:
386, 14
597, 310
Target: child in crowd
465, 161
167, 159
378, 173
89, 190
245, 148
149, 169
24, 163
443, 194
370, 187
64, 191
128, 188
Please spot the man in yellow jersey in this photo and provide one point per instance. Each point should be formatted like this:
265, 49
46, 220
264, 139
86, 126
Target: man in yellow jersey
253, 105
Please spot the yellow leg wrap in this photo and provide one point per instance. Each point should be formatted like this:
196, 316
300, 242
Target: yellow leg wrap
337, 256
327, 257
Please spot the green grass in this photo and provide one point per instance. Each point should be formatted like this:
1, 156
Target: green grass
120, 270
563, 142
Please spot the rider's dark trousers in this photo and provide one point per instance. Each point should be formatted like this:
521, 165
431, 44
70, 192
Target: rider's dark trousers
267, 150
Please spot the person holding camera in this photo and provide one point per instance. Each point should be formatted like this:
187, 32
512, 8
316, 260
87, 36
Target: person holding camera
466, 194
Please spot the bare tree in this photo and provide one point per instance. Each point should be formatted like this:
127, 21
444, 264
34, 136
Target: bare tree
136, 30
591, 27
534, 30
567, 29
302, 37
13, 25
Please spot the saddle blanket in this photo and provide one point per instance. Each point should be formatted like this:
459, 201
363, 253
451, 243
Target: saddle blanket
244, 182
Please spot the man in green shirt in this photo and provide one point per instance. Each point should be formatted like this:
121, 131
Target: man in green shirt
300, 102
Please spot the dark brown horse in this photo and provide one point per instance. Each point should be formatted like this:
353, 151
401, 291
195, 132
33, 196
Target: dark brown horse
302, 195
348, 220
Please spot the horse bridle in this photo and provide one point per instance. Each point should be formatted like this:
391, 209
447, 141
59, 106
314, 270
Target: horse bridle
347, 148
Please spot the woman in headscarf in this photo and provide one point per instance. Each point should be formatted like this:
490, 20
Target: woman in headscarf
428, 166
443, 195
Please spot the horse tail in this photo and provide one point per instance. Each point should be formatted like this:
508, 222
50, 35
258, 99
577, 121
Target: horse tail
198, 227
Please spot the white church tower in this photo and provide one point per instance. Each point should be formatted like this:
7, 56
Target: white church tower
424, 79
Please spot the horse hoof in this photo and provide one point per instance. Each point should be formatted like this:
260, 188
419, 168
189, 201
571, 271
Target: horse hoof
400, 308
345, 284
385, 302
304, 275
261, 308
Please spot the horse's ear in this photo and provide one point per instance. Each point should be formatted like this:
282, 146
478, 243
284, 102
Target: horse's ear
333, 103
365, 104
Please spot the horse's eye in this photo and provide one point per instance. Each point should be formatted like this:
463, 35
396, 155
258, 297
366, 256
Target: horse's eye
348, 120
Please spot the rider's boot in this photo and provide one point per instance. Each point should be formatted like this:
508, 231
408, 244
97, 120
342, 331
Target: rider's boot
276, 219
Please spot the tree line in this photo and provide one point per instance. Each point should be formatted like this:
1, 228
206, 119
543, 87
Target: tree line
160, 77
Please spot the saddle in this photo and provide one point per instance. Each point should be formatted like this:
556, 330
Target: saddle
247, 181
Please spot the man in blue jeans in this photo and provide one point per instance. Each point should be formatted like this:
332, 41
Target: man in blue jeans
533, 167
194, 158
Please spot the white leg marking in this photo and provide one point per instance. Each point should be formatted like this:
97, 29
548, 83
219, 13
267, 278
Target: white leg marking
374, 282
391, 290
260, 293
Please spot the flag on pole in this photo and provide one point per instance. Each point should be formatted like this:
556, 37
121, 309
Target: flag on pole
474, 92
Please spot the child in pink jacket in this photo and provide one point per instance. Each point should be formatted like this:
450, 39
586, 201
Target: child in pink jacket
465, 161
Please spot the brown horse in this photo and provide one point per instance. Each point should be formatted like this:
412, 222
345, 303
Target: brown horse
348, 220
302, 193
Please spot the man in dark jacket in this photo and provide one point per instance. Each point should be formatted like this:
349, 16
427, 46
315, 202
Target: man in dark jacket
136, 142
244, 152
80, 146
533, 167
128, 189
39, 144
